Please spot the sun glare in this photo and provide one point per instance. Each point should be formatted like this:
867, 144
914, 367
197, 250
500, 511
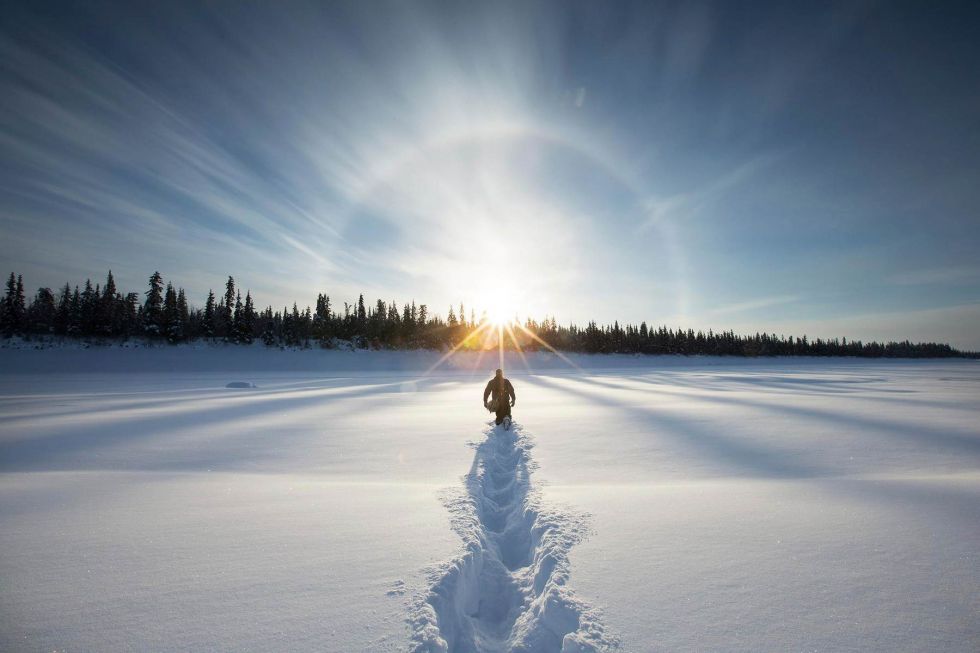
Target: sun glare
499, 313
499, 301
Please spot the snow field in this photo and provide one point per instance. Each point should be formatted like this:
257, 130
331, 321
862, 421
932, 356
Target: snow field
353, 502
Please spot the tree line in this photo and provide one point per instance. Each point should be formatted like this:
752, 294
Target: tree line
162, 313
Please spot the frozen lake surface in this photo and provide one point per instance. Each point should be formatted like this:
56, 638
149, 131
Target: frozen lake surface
252, 500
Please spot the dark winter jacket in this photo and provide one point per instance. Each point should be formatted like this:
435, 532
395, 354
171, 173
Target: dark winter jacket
499, 388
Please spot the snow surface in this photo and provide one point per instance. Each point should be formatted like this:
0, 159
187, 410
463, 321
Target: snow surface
350, 501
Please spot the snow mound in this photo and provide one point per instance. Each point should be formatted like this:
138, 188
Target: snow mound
507, 591
241, 384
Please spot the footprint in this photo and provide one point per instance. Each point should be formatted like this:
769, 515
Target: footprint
508, 591
397, 588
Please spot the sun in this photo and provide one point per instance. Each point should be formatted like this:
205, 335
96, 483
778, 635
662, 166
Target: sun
499, 316
499, 311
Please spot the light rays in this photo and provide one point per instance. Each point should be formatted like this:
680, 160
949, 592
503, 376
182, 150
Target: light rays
488, 328
463, 182
500, 344
542, 341
481, 327
428, 192
517, 346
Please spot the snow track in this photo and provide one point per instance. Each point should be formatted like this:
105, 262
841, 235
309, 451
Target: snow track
507, 591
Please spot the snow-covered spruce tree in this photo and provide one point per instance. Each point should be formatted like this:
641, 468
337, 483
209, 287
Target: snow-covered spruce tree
208, 318
226, 319
13, 311
153, 318
269, 326
306, 330
75, 314
361, 315
64, 310
322, 327
235, 335
107, 322
183, 313
288, 327
392, 336
131, 312
269, 332
19, 308
246, 332
90, 309
6, 307
174, 328
42, 311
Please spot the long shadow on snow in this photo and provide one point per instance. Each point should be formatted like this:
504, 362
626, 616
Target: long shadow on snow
964, 442
119, 411
952, 498
706, 382
742, 455
726, 383
59, 449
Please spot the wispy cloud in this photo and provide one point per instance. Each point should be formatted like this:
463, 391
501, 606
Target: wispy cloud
589, 161
686, 205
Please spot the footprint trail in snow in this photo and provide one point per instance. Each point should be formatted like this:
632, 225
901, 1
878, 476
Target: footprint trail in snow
507, 591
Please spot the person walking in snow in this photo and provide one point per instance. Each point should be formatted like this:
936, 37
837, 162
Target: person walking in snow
502, 397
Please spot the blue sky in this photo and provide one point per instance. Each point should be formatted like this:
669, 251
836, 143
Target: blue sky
796, 169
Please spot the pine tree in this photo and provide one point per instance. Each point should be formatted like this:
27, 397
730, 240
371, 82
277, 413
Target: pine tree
107, 321
7, 307
183, 313
236, 321
289, 326
109, 291
64, 310
226, 323
208, 319
269, 333
90, 309
423, 316
153, 317
247, 322
13, 311
307, 322
19, 309
174, 329
361, 313
75, 314
132, 314
41, 314
328, 331
326, 326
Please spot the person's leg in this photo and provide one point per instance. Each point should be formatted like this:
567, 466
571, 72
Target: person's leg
503, 409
